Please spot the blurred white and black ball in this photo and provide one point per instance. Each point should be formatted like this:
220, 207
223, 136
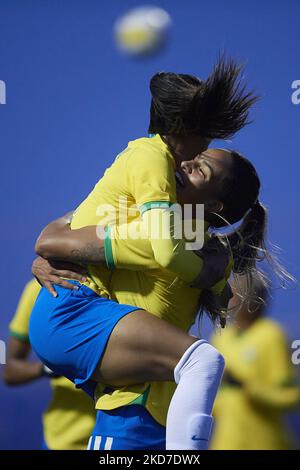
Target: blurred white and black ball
143, 30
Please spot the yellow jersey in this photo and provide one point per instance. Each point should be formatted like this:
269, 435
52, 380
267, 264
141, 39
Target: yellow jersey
70, 416
144, 175
250, 415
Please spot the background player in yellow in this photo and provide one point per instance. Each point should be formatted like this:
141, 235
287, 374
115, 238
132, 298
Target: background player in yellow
70, 416
259, 384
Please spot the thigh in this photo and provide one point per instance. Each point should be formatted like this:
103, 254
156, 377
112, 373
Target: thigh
141, 348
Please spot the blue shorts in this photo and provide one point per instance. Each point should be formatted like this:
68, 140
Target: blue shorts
129, 427
69, 333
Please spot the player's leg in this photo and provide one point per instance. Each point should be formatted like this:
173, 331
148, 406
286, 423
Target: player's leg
143, 348
86, 337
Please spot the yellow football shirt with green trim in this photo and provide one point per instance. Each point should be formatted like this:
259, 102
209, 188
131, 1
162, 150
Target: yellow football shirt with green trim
141, 178
70, 417
137, 253
158, 227
251, 416
164, 295
144, 176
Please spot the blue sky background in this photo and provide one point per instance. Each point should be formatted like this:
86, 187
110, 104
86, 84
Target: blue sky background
73, 102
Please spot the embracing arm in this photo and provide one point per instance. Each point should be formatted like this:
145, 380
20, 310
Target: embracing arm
83, 246
155, 246
92, 245
119, 249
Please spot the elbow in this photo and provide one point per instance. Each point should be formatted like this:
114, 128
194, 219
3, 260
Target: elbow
46, 247
56, 247
43, 247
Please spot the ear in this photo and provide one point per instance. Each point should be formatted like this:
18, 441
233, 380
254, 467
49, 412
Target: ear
214, 206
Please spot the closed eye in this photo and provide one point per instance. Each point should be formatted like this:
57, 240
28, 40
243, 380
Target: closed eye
202, 172
208, 173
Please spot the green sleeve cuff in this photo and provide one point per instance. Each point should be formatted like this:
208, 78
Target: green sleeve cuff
154, 205
20, 336
108, 252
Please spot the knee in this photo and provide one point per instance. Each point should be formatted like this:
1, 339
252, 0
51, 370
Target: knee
214, 358
201, 358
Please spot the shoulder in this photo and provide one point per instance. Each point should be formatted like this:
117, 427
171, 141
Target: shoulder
149, 143
152, 147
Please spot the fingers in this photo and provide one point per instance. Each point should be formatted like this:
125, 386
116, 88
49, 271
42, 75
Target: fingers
64, 283
48, 284
49, 274
68, 274
50, 288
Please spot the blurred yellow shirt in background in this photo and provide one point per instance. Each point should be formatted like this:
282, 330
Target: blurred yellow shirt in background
70, 416
258, 387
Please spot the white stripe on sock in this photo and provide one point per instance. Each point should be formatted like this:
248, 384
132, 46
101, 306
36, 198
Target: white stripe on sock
97, 442
108, 443
89, 443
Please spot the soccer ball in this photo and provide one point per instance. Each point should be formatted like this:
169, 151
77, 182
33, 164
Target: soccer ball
142, 30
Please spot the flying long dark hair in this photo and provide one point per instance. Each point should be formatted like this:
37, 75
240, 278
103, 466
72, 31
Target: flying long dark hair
215, 108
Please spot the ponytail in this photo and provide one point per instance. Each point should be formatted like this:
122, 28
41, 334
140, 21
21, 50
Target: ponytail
214, 108
247, 244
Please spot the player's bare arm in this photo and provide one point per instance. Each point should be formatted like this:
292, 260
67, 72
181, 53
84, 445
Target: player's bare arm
58, 242
18, 369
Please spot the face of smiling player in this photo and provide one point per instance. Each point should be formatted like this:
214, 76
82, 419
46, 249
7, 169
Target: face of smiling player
198, 181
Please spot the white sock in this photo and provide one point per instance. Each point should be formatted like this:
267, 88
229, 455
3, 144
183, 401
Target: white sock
198, 375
